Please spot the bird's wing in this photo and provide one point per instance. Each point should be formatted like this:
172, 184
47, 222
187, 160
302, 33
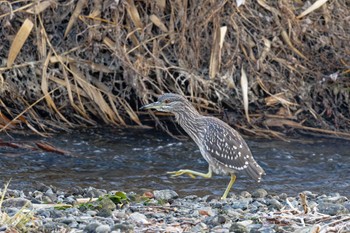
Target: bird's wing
228, 148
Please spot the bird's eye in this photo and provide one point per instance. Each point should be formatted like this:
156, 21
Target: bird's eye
166, 101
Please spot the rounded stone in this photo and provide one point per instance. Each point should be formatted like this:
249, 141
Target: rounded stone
259, 193
103, 229
332, 209
91, 228
17, 202
165, 194
238, 228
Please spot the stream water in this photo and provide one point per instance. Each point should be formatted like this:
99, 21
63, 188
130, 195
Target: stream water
137, 160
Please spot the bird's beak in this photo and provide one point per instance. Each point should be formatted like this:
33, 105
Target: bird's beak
155, 105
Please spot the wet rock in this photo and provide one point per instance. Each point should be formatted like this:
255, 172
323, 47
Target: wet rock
103, 229
306, 229
216, 220
332, 209
11, 211
13, 193
70, 200
211, 198
274, 204
347, 205
201, 227
267, 229
238, 228
41, 187
17, 202
72, 211
246, 194
91, 212
138, 218
337, 199
76, 190
105, 213
165, 194
241, 204
91, 228
46, 199
93, 192
68, 220
259, 193
254, 228
107, 203
123, 227
38, 195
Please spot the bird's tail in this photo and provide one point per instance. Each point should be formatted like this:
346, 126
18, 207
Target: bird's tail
255, 171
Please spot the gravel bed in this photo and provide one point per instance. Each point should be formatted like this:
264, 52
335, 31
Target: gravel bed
48, 209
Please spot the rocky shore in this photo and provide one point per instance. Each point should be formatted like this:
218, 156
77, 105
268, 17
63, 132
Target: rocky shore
48, 209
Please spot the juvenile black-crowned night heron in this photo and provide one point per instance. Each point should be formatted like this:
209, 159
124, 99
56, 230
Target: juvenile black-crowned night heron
221, 146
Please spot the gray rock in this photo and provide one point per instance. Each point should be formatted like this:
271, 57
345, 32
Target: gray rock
91, 212
105, 213
337, 199
68, 220
91, 228
246, 194
347, 205
241, 204
13, 193
103, 229
267, 229
46, 199
216, 220
41, 187
17, 202
52, 197
259, 193
165, 194
38, 195
138, 218
332, 209
49, 191
107, 203
70, 200
92, 192
306, 229
124, 227
201, 227
275, 204
72, 211
11, 211
238, 228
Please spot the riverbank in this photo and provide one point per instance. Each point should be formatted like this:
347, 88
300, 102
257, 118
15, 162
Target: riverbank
48, 209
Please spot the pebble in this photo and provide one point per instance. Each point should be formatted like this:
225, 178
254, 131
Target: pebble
259, 193
165, 194
17, 202
238, 228
332, 209
165, 211
103, 229
138, 218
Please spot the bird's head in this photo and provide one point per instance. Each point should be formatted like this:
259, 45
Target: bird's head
169, 102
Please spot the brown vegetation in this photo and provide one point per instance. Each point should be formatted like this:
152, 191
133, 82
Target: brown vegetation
72, 63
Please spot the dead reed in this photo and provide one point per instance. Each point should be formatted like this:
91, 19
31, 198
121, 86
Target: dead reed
276, 66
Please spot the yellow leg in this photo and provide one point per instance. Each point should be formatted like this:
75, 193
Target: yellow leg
191, 173
233, 179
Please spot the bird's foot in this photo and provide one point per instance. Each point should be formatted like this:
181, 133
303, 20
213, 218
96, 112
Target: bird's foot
182, 172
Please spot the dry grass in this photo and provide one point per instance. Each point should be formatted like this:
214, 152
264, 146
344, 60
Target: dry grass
17, 222
85, 62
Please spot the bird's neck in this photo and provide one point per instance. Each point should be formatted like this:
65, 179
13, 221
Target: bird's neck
189, 120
